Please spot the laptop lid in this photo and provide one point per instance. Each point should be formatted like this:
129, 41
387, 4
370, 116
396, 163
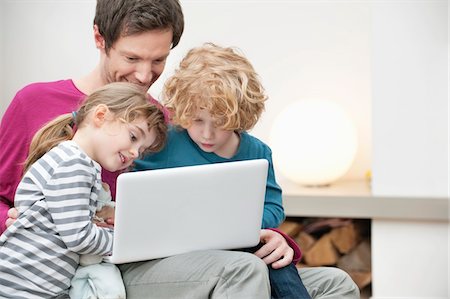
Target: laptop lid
165, 212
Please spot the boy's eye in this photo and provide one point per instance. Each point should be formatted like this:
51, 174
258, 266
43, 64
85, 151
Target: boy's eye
219, 123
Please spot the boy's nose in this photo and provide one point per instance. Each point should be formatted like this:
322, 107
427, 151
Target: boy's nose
208, 132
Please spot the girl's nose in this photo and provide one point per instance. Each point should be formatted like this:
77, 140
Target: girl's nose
134, 152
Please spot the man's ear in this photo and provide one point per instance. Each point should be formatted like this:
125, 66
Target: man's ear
99, 39
100, 114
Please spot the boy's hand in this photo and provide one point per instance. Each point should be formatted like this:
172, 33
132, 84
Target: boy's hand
275, 250
12, 216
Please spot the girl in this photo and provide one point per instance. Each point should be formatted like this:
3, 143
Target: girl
57, 195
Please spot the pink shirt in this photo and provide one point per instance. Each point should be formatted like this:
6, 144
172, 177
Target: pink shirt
31, 108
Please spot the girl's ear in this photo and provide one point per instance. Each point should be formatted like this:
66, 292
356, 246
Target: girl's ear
99, 40
100, 114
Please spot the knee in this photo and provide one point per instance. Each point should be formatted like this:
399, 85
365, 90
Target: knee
251, 262
249, 265
244, 276
346, 283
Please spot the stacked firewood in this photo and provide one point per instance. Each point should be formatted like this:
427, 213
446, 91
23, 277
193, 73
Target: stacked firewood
342, 243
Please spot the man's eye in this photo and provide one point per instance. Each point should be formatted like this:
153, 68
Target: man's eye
131, 59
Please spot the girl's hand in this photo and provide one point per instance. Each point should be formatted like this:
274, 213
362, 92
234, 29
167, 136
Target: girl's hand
12, 216
107, 215
275, 250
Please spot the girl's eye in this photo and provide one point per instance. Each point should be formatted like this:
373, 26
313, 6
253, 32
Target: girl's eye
133, 137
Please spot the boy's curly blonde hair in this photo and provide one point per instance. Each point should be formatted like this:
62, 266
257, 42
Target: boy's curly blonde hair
219, 80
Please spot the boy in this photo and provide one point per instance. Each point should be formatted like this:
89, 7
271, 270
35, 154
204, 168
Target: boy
214, 98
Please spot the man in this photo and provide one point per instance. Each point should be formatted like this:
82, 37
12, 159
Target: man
134, 39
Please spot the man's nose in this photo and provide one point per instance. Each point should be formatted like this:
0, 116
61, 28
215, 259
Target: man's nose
144, 74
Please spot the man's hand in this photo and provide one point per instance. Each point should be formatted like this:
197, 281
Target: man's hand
12, 216
275, 251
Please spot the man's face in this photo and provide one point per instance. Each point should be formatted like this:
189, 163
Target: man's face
138, 58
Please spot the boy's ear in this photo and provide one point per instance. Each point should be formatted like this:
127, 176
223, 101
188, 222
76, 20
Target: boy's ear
100, 114
99, 39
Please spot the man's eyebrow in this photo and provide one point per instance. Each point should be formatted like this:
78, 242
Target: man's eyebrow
128, 53
163, 56
131, 53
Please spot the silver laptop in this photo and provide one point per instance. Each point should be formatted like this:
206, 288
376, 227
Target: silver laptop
165, 212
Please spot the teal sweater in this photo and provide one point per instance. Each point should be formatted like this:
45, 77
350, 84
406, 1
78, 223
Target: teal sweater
180, 150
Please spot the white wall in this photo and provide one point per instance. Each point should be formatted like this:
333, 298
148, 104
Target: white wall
410, 259
44, 40
410, 98
301, 49
410, 120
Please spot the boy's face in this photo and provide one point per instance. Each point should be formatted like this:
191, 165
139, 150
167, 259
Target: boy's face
205, 131
138, 58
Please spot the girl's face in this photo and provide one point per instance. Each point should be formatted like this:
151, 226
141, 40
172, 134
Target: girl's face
120, 143
205, 131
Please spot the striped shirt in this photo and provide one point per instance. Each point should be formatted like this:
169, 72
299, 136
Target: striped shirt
56, 200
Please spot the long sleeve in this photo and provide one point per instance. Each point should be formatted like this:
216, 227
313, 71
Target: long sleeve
69, 200
297, 251
14, 149
56, 202
30, 109
273, 214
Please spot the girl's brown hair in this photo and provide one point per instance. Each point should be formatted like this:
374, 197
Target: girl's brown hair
126, 102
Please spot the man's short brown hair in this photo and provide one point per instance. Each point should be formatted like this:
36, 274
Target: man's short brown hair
118, 18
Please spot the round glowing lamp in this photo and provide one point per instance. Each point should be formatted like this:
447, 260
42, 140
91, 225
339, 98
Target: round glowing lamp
314, 142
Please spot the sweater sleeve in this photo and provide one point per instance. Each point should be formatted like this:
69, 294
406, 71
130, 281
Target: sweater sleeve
297, 252
273, 214
68, 200
14, 143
